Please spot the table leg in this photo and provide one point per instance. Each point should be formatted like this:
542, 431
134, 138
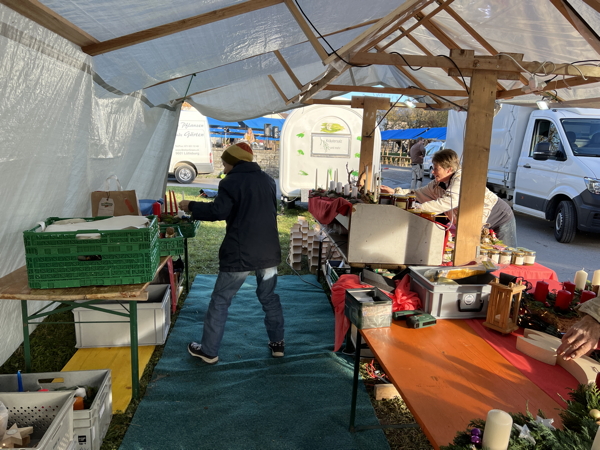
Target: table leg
355, 382
133, 333
26, 343
187, 265
319, 261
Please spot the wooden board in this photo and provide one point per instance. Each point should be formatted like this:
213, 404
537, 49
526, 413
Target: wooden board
541, 350
584, 369
118, 360
386, 234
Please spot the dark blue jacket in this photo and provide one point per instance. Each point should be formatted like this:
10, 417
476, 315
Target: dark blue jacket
247, 201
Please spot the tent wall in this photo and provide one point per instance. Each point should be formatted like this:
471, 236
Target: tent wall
62, 135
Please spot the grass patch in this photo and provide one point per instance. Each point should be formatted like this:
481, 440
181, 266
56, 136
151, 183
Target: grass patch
52, 346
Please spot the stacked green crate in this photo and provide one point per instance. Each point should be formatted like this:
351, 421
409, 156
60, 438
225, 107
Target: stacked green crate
61, 260
172, 245
187, 227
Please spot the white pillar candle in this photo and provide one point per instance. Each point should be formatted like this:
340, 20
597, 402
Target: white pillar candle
596, 278
332, 185
496, 433
347, 190
316, 179
354, 192
336, 178
339, 187
596, 443
580, 279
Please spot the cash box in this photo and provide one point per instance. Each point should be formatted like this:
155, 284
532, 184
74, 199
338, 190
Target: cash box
466, 299
368, 308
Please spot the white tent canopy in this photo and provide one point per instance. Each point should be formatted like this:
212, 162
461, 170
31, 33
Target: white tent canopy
92, 88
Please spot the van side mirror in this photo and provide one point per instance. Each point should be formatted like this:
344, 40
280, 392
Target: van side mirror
541, 152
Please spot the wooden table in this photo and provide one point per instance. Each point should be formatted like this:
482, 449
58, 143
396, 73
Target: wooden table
14, 286
448, 375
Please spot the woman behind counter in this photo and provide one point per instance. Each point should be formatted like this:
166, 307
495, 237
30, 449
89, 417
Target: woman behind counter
441, 196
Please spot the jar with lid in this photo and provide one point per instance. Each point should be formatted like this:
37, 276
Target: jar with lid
484, 254
411, 199
448, 255
505, 257
529, 259
386, 199
401, 201
495, 256
518, 258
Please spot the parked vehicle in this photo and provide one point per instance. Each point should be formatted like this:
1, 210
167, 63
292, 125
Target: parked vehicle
318, 140
192, 150
430, 149
545, 162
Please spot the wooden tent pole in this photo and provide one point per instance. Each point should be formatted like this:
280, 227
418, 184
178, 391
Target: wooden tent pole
475, 157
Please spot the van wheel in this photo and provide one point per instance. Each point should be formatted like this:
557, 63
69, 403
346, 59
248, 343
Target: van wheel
565, 223
185, 174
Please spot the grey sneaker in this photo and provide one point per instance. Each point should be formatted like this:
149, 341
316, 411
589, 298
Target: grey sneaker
277, 348
195, 349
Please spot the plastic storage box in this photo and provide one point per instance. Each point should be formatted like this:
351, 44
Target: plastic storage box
452, 301
187, 228
61, 260
154, 319
49, 413
368, 308
89, 425
172, 246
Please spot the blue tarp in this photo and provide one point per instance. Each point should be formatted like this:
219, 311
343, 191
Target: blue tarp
412, 133
238, 129
438, 133
397, 135
259, 123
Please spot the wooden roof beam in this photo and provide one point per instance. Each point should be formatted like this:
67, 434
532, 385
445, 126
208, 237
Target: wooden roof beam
575, 20
44, 16
288, 69
593, 4
308, 32
281, 93
395, 91
559, 84
177, 26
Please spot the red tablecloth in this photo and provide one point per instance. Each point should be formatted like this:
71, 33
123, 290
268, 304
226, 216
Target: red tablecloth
324, 209
553, 380
533, 274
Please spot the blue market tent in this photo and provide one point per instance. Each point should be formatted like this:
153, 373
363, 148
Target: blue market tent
438, 133
398, 135
237, 130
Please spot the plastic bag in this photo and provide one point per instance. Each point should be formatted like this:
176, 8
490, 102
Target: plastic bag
3, 418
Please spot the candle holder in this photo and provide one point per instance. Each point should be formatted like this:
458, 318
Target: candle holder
503, 307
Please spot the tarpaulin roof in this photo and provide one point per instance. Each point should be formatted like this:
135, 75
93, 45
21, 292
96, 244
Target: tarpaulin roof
438, 133
396, 135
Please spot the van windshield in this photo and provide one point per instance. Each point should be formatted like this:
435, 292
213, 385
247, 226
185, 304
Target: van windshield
583, 136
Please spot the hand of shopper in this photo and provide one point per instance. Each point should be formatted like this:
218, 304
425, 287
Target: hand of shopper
184, 205
580, 339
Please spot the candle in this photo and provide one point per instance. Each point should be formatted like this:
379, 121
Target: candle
354, 192
336, 178
596, 278
596, 443
580, 279
347, 190
541, 291
586, 295
332, 185
339, 188
563, 299
316, 179
568, 286
496, 433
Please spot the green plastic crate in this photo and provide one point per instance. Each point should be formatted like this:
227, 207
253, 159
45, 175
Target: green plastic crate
74, 263
172, 246
188, 229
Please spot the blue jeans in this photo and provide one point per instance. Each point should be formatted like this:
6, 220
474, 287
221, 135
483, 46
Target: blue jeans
507, 232
226, 286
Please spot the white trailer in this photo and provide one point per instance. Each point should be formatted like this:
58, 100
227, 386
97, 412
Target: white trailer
318, 140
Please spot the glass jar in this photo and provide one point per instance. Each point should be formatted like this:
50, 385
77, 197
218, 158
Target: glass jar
386, 199
518, 258
484, 254
529, 259
428, 215
495, 256
505, 257
448, 255
401, 201
411, 199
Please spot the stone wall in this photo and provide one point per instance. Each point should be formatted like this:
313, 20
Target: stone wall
268, 160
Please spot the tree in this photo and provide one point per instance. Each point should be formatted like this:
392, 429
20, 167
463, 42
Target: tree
403, 118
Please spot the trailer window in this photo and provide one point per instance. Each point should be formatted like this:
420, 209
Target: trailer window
546, 131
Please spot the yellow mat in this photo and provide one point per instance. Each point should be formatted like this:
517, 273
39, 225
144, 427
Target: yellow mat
118, 360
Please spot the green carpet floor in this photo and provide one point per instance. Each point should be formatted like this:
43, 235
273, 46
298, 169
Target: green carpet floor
250, 400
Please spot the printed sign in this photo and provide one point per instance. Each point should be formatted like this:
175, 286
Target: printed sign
190, 137
330, 145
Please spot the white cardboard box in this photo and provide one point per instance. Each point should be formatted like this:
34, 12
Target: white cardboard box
154, 319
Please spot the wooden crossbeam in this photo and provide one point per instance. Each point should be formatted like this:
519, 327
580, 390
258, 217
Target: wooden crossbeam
390, 90
44, 16
582, 28
559, 84
593, 4
308, 32
177, 26
318, 86
285, 99
288, 69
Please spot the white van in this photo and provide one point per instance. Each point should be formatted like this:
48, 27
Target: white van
430, 149
192, 151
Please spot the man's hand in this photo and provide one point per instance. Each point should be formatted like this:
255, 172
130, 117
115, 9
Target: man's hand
580, 339
184, 205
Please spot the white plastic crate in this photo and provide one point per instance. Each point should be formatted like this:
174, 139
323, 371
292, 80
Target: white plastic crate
154, 319
89, 425
49, 413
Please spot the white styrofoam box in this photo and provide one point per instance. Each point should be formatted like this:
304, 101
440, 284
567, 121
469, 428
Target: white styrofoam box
154, 319
89, 425
49, 413
451, 301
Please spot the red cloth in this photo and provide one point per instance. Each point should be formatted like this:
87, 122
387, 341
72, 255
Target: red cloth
532, 273
553, 380
324, 209
404, 298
